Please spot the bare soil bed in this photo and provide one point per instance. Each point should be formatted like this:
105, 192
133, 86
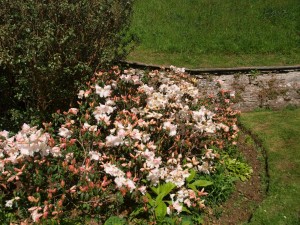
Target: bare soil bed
239, 207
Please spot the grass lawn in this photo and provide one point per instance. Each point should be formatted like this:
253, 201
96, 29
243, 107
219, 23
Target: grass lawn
279, 132
214, 33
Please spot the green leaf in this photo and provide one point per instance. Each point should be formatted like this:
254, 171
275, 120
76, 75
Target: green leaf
192, 175
115, 220
199, 183
155, 190
160, 210
202, 183
137, 211
187, 220
151, 201
198, 219
165, 189
185, 209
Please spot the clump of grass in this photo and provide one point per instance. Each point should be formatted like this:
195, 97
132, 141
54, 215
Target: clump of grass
217, 33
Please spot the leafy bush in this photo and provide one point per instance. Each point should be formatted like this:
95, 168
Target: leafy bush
136, 149
48, 47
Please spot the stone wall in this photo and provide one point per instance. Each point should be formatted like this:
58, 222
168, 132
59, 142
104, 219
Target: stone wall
255, 90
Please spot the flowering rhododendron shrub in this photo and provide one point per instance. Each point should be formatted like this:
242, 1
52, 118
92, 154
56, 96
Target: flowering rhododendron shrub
137, 146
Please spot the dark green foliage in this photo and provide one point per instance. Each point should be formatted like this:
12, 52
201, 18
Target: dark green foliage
47, 47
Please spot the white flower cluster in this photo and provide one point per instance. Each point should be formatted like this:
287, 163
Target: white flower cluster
103, 92
102, 112
183, 196
207, 162
119, 175
172, 93
203, 120
132, 76
172, 172
25, 143
121, 132
9, 203
170, 127
177, 69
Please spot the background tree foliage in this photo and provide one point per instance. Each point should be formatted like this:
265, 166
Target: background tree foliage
48, 47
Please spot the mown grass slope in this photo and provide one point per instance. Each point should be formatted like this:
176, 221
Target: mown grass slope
213, 33
279, 132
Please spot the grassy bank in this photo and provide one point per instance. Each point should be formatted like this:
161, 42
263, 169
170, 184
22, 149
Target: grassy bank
279, 132
212, 33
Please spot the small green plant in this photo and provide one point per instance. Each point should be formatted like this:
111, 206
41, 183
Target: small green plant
115, 220
159, 204
238, 169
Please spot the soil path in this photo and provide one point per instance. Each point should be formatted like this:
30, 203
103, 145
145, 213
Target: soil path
239, 208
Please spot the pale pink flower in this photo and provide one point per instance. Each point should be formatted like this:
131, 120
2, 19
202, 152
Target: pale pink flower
136, 134
2, 165
151, 145
180, 70
55, 151
103, 92
4, 134
64, 132
170, 127
154, 115
35, 215
148, 90
192, 194
26, 149
103, 118
177, 206
145, 137
136, 79
93, 128
168, 210
235, 128
69, 156
25, 128
95, 155
220, 82
130, 184
113, 170
112, 140
9, 203
177, 176
148, 154
204, 168
33, 137
154, 162
121, 133
73, 111
80, 94
103, 109
120, 181
119, 125
110, 102
232, 94
126, 78
143, 189
154, 176
86, 126
187, 202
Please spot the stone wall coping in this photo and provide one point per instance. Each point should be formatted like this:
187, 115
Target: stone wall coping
217, 71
